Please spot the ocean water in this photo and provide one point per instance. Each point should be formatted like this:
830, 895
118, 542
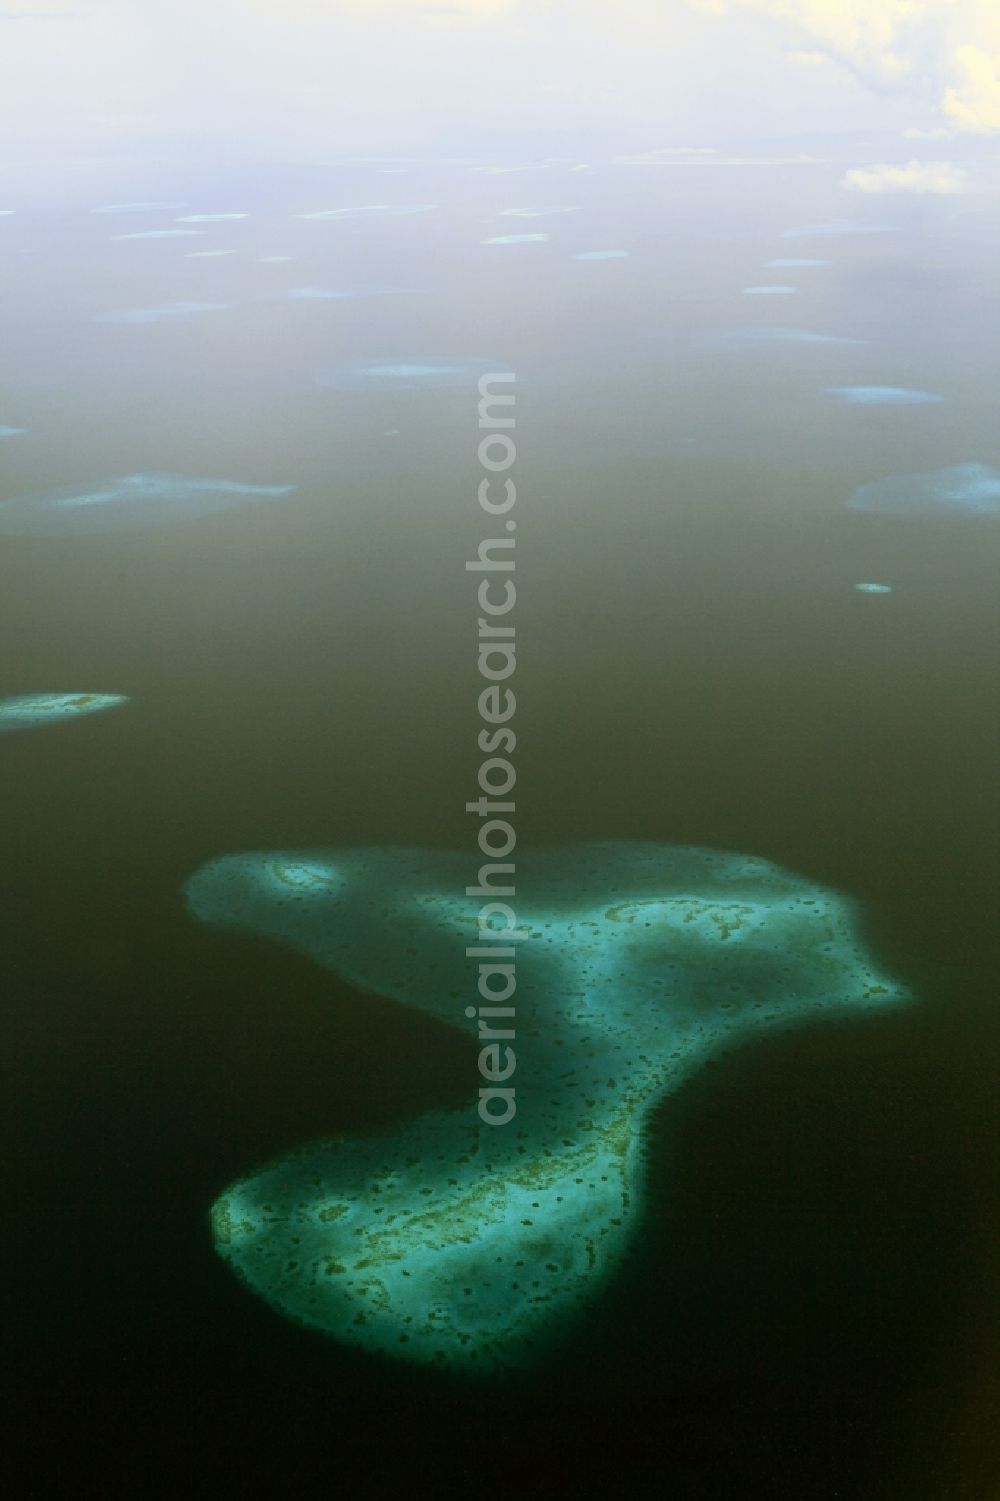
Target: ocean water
807, 1305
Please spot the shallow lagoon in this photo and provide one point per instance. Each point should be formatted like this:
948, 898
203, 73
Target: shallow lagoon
33, 710
405, 374
962, 490
883, 396
636, 964
171, 312
135, 501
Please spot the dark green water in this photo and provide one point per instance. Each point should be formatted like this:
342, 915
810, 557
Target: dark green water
809, 1310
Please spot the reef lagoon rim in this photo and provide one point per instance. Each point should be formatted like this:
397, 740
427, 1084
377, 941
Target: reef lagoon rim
132, 502
32, 711
473, 1245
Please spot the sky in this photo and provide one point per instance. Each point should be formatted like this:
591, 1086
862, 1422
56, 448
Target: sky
308, 79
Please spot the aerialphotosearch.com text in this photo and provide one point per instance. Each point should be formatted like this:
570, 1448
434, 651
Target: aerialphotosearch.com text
495, 807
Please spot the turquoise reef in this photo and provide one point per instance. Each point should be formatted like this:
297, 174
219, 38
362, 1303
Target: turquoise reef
129, 503
146, 207
34, 709
338, 294
405, 374
761, 338
836, 228
170, 312
535, 213
536, 239
459, 1243
160, 234
962, 490
883, 396
371, 211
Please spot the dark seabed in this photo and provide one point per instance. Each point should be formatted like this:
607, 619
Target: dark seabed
809, 1310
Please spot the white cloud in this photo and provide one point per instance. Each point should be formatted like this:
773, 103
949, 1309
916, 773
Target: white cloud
945, 50
870, 35
440, 12
974, 105
322, 77
912, 177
